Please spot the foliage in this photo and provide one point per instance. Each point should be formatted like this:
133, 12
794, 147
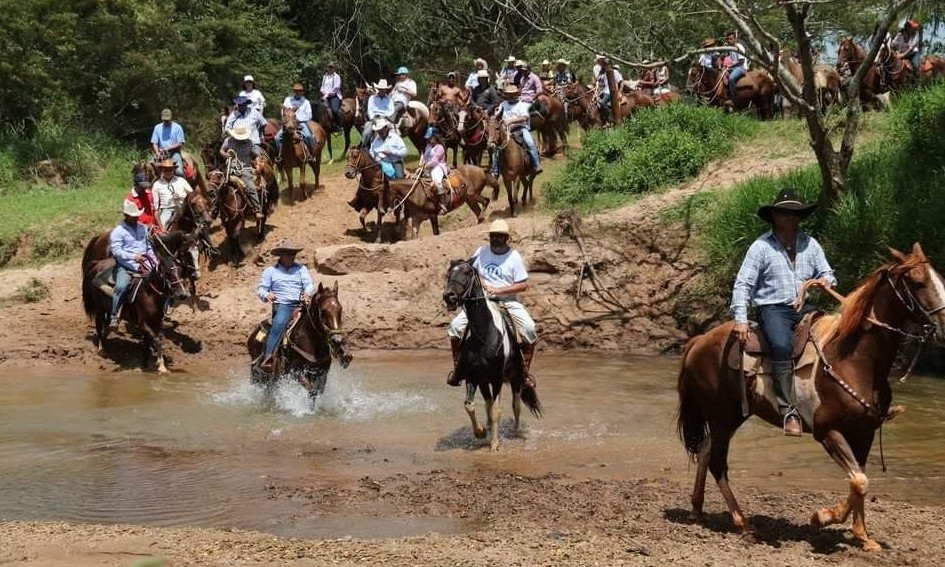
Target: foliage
33, 291
653, 149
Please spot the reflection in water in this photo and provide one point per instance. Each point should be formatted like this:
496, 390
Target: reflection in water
201, 448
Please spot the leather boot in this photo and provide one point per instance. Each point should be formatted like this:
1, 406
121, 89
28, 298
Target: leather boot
453, 379
783, 378
528, 352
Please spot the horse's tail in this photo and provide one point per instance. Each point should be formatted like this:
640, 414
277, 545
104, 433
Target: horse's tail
88, 291
530, 398
690, 421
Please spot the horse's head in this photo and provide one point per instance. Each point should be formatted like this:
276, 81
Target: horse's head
920, 288
694, 77
356, 159
289, 125
495, 133
143, 166
461, 280
199, 208
169, 269
327, 311
849, 52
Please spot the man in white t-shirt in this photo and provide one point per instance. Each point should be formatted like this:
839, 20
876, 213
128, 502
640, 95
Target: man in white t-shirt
503, 275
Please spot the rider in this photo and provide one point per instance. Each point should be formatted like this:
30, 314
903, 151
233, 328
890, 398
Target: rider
776, 266
662, 79
286, 285
531, 85
563, 75
388, 149
503, 275
473, 79
405, 89
738, 65
256, 99
449, 91
434, 163
331, 92
143, 198
303, 113
168, 139
707, 60
131, 248
169, 192
515, 116
546, 73
238, 145
647, 76
907, 46
484, 94
247, 115
380, 105
509, 72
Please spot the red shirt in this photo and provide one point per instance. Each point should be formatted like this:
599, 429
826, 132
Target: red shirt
145, 203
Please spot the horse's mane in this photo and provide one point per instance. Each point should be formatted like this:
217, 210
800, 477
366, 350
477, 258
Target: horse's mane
859, 303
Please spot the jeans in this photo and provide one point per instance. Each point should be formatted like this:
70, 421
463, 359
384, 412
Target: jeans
529, 143
523, 321
247, 176
122, 283
777, 324
334, 103
916, 60
604, 106
281, 315
306, 135
733, 77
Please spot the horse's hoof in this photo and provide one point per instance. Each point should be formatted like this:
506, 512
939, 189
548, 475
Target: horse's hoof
494, 448
162, 369
479, 433
820, 518
871, 546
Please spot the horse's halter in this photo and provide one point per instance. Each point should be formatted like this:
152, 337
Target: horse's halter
464, 296
912, 304
335, 334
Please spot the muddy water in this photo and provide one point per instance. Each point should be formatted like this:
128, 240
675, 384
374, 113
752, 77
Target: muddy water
202, 447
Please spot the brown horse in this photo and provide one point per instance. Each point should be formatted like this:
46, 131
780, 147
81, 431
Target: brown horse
293, 152
234, 208
756, 89
472, 128
514, 165
312, 342
826, 79
933, 68
349, 120
582, 105
897, 73
550, 122
851, 55
144, 307
361, 96
418, 197
370, 187
445, 117
842, 383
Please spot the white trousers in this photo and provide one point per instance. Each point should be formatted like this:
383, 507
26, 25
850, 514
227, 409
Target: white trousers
524, 322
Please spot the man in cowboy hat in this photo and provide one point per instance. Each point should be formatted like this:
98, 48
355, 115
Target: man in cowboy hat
167, 140
472, 81
563, 75
131, 248
256, 99
331, 93
515, 116
774, 270
484, 94
907, 46
143, 198
169, 192
599, 60
530, 85
238, 145
603, 87
286, 285
405, 89
380, 105
303, 114
388, 149
707, 60
546, 73
503, 275
507, 75
247, 115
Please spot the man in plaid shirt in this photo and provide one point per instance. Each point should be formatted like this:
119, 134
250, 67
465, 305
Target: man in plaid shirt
774, 271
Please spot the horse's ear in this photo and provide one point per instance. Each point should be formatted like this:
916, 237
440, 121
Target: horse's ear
896, 254
336, 287
917, 251
454, 263
321, 288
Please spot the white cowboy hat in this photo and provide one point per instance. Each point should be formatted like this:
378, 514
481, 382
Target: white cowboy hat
545, 62
382, 85
563, 61
519, 63
482, 73
240, 132
499, 227
130, 209
249, 79
510, 59
480, 61
380, 124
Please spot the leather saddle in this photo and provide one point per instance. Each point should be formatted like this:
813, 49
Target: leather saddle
755, 359
758, 345
104, 279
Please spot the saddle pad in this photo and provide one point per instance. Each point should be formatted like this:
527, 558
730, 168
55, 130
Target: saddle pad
263, 328
822, 329
758, 345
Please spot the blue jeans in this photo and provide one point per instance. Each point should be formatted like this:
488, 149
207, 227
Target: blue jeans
916, 60
281, 315
733, 77
334, 103
306, 135
777, 324
529, 142
122, 283
604, 106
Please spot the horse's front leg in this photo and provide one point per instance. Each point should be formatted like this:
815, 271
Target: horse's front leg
154, 336
493, 411
517, 409
380, 224
470, 405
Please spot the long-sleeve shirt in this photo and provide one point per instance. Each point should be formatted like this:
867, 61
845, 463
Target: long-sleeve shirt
170, 194
380, 106
404, 91
256, 99
252, 119
472, 80
707, 60
604, 85
390, 149
905, 46
126, 242
486, 98
434, 156
514, 109
767, 276
531, 87
565, 77
301, 105
331, 85
288, 284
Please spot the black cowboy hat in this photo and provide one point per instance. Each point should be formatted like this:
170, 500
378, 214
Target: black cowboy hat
788, 201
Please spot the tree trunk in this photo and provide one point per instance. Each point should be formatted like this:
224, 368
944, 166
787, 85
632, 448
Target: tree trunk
614, 96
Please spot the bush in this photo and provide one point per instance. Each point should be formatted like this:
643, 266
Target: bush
655, 148
33, 291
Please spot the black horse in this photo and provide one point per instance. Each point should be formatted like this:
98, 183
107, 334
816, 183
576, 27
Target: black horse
490, 354
312, 341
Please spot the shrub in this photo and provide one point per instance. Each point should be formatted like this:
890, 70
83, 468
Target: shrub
33, 291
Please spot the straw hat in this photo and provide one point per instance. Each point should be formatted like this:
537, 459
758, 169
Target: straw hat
285, 247
249, 79
709, 42
382, 85
499, 226
380, 124
510, 90
240, 132
131, 210
480, 61
167, 164
510, 59
482, 73
519, 63
563, 61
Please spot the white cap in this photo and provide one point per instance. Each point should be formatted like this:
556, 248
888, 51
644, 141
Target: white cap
249, 78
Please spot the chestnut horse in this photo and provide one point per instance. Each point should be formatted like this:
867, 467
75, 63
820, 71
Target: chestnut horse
370, 187
514, 166
551, 123
756, 89
933, 68
234, 208
293, 153
472, 128
843, 391
851, 55
582, 105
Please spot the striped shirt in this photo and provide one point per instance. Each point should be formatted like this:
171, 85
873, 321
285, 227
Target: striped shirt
767, 276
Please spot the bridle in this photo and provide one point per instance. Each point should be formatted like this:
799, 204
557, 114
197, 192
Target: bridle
356, 170
320, 323
915, 308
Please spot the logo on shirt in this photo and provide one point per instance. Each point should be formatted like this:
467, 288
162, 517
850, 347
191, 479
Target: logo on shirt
493, 272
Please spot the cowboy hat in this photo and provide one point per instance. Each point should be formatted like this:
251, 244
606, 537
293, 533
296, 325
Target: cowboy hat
166, 114
331, 65
249, 79
511, 89
563, 61
482, 74
709, 42
600, 57
499, 226
480, 61
382, 85
510, 59
519, 63
380, 124
141, 180
131, 210
787, 201
451, 74
285, 247
545, 62
240, 132
298, 87
402, 71
240, 100
167, 164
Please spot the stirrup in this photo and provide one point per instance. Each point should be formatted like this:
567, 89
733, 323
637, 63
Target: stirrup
792, 416
452, 379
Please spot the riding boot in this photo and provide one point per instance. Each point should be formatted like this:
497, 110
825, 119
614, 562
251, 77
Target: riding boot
528, 352
783, 377
454, 379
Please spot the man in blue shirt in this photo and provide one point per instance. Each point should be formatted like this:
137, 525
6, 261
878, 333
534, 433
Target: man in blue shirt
286, 285
168, 138
515, 116
775, 269
133, 254
388, 149
248, 116
737, 63
380, 105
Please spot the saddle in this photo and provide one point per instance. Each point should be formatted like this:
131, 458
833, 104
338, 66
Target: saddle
104, 280
755, 358
263, 328
453, 182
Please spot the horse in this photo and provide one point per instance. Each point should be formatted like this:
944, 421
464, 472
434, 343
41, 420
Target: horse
143, 307
234, 208
194, 218
370, 187
446, 119
361, 96
418, 197
896, 72
349, 119
551, 123
513, 165
582, 105
851, 55
293, 153
490, 355
173, 244
756, 89
472, 129
324, 118
933, 68
826, 81
192, 172
308, 347
843, 389
416, 127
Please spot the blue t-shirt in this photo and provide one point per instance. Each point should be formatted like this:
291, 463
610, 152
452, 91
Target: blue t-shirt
167, 135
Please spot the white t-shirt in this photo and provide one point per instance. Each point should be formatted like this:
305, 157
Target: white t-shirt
499, 270
170, 195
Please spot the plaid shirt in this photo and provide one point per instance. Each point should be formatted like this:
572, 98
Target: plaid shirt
768, 278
